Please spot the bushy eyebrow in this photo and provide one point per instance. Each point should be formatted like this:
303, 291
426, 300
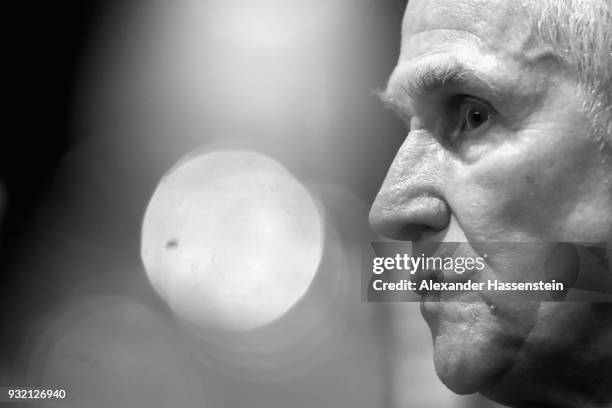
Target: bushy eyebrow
428, 79
419, 81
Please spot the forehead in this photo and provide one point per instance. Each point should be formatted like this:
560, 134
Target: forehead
500, 26
484, 48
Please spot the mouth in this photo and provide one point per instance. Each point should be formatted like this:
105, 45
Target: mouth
446, 285
450, 267
465, 291
439, 292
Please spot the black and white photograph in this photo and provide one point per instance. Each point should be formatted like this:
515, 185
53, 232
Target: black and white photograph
307, 204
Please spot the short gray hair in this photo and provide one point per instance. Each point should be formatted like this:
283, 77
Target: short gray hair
580, 35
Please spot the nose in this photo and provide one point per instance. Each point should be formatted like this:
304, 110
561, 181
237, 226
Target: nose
410, 204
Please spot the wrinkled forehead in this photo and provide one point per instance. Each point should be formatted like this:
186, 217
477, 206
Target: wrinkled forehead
501, 25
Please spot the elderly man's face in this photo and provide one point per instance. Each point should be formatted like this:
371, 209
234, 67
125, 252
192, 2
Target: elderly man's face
498, 151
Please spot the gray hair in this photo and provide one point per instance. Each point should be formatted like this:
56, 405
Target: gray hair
580, 35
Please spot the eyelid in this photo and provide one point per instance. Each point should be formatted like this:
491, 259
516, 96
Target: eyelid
465, 98
462, 101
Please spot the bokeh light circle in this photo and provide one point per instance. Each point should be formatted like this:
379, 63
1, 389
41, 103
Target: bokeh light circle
231, 240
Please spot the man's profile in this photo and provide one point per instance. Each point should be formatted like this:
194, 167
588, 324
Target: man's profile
509, 110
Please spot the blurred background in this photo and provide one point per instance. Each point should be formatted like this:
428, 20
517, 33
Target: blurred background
274, 102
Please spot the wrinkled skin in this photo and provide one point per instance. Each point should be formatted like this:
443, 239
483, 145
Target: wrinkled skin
528, 172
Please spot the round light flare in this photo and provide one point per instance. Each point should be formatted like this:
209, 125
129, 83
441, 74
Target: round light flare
231, 240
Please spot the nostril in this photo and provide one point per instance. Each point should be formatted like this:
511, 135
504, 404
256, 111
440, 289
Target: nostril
410, 219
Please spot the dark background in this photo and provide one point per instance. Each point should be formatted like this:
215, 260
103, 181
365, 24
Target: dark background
46, 46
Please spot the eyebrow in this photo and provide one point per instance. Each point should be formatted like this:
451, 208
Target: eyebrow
419, 81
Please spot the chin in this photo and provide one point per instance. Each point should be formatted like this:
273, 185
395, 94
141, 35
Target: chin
473, 348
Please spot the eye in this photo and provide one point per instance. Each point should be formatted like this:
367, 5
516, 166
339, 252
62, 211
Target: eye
474, 115
473, 118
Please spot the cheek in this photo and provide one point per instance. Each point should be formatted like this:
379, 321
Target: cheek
526, 193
